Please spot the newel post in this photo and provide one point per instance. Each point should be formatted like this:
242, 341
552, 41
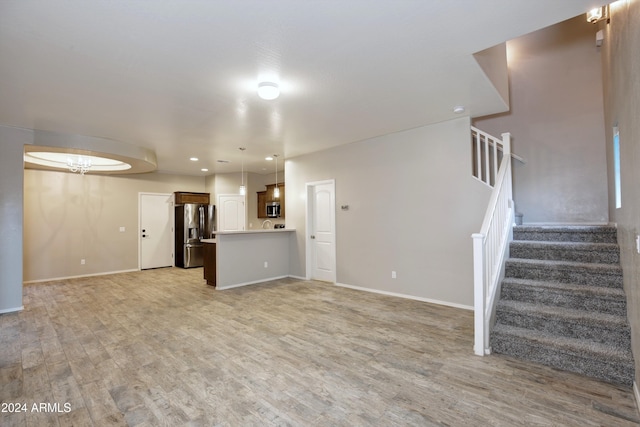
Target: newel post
506, 143
506, 150
479, 298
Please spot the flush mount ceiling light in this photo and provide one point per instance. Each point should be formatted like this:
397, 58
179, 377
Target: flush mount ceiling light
75, 162
458, 109
268, 90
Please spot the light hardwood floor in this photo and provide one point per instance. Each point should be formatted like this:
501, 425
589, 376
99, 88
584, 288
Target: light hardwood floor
160, 347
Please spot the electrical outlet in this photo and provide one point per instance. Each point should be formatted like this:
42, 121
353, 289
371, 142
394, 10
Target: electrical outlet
266, 264
394, 275
82, 262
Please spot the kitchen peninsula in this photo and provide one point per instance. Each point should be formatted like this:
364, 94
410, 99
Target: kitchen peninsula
247, 257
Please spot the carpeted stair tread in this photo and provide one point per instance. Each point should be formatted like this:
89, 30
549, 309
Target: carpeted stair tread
597, 291
596, 274
566, 344
571, 245
594, 228
567, 264
606, 253
566, 314
606, 363
580, 356
584, 297
576, 233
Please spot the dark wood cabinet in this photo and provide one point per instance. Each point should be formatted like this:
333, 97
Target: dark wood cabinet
267, 196
209, 255
262, 204
182, 197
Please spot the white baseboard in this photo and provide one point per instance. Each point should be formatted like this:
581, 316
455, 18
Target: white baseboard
394, 294
255, 282
636, 394
298, 277
80, 276
12, 310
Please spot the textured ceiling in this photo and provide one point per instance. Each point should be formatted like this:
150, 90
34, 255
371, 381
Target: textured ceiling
179, 77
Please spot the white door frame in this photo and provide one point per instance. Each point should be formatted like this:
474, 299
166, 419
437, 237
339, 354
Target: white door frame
307, 238
171, 218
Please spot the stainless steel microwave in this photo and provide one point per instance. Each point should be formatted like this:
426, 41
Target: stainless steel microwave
273, 210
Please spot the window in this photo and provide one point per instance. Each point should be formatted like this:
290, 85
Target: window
616, 167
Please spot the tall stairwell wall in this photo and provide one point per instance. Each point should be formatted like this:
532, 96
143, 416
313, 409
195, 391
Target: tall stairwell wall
557, 124
412, 207
621, 76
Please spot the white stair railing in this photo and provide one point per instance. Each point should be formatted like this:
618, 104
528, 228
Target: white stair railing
490, 245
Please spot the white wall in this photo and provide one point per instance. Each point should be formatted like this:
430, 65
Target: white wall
557, 124
413, 206
12, 141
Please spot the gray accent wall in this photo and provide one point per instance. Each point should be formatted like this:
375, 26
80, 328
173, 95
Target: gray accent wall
413, 206
12, 141
621, 72
69, 217
557, 124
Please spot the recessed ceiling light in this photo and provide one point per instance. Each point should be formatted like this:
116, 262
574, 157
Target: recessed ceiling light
268, 90
269, 158
204, 170
193, 159
458, 109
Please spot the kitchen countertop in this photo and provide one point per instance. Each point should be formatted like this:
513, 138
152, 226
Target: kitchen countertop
269, 230
257, 231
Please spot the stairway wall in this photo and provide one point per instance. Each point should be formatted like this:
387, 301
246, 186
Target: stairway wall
621, 64
557, 124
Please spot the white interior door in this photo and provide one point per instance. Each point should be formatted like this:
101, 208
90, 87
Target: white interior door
231, 212
156, 230
321, 241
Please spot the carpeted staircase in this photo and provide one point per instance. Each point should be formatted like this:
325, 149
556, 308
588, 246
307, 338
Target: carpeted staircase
562, 302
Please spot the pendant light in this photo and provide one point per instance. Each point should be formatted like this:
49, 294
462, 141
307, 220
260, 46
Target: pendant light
243, 189
276, 191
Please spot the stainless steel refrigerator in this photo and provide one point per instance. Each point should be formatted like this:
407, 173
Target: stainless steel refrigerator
194, 222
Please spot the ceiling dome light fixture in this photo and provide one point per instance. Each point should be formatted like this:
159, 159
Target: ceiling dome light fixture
268, 90
81, 163
459, 109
